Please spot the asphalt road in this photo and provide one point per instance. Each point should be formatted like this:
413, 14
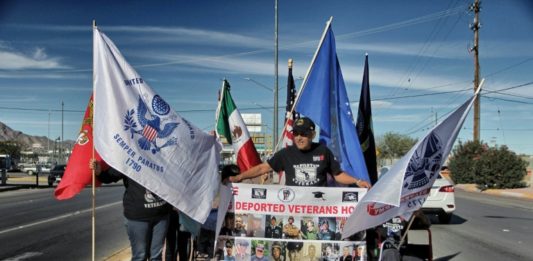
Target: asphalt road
486, 227
36, 226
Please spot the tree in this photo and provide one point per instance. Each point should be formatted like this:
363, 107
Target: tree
462, 161
488, 167
500, 168
10, 148
394, 145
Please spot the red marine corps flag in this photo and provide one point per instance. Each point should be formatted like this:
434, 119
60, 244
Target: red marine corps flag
231, 125
77, 174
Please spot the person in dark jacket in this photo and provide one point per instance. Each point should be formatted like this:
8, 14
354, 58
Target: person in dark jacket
146, 215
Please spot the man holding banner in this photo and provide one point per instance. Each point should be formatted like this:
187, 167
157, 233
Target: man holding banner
305, 163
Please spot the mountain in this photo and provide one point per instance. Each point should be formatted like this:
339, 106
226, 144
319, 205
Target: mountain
29, 142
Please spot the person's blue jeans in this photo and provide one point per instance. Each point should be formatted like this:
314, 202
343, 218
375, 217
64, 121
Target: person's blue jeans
147, 238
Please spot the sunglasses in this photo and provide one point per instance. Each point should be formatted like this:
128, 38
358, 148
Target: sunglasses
301, 133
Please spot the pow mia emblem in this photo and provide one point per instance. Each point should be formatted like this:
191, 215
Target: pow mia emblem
151, 129
424, 164
286, 194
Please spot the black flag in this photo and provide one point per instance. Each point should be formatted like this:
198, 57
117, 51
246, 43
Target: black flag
364, 127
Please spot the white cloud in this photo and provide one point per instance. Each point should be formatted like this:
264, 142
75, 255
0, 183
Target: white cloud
12, 60
444, 50
40, 75
225, 63
162, 34
8, 99
196, 36
387, 77
39, 54
409, 118
381, 104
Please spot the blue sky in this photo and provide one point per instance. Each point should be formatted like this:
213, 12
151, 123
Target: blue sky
420, 65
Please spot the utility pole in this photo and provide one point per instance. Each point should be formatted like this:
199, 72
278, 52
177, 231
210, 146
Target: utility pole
62, 137
275, 124
48, 136
475, 7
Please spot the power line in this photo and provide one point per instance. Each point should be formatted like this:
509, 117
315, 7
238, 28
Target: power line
419, 95
414, 66
508, 67
514, 95
510, 88
36, 109
507, 100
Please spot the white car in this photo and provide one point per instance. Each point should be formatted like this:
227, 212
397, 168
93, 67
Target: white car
31, 169
441, 200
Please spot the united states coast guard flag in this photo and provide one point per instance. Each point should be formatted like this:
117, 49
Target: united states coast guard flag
323, 98
406, 186
137, 133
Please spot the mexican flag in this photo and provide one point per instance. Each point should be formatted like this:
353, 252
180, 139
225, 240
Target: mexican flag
231, 125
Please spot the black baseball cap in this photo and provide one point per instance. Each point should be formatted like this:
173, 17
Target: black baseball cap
303, 125
230, 170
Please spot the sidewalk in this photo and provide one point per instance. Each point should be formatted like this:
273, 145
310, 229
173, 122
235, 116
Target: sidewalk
24, 182
525, 193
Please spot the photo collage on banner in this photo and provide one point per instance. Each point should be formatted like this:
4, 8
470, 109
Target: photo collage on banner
272, 222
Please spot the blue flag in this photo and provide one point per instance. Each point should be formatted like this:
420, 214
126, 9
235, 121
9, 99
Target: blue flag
324, 99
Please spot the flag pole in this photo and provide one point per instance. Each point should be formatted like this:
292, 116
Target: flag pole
93, 190
297, 99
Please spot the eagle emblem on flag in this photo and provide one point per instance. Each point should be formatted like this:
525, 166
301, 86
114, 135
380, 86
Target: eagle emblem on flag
422, 169
150, 127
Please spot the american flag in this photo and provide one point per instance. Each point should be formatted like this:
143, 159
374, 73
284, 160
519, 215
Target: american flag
289, 115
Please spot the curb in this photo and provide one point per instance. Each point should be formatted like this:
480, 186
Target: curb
122, 255
9, 188
524, 193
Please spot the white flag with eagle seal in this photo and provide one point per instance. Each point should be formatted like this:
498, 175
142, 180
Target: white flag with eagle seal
137, 133
405, 187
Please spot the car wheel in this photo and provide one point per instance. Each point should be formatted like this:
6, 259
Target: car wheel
50, 183
30, 172
445, 218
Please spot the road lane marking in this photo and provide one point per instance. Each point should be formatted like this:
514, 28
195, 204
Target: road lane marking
58, 218
26, 255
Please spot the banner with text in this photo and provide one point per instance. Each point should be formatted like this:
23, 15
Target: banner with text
286, 222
